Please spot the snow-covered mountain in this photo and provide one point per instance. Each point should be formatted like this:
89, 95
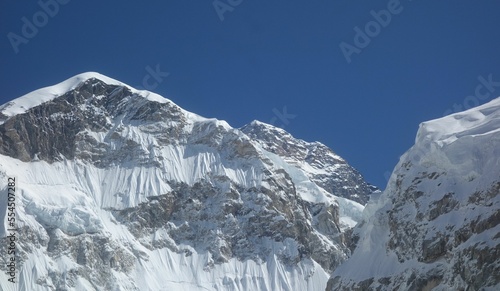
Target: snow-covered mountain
321, 165
121, 189
437, 224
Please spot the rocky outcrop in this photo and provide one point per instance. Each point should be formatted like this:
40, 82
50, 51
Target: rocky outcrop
64, 127
239, 222
95, 257
437, 225
331, 172
118, 186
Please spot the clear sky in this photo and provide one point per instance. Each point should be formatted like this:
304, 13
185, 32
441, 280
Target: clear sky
359, 76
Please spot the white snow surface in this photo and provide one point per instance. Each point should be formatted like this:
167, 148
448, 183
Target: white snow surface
72, 196
464, 148
32, 99
37, 97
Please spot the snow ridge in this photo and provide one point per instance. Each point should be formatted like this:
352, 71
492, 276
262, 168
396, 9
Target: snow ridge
121, 189
437, 224
24, 103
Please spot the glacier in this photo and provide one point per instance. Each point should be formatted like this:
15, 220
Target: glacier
437, 225
121, 189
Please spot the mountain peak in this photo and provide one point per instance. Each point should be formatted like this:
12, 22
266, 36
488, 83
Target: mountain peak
326, 168
438, 215
30, 100
123, 183
474, 121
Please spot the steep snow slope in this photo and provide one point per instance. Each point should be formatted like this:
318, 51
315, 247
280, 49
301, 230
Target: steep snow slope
68, 240
436, 226
40, 96
321, 164
120, 189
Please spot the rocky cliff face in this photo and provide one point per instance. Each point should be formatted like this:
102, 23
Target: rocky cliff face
324, 167
120, 189
437, 225
64, 127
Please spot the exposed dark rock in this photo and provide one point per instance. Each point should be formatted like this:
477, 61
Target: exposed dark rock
339, 178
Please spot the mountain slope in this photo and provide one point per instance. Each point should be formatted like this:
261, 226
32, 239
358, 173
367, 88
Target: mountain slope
121, 189
321, 164
437, 225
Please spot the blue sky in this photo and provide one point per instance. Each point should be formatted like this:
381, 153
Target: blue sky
278, 61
